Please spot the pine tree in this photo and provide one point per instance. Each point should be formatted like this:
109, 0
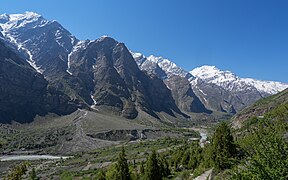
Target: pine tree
142, 169
33, 175
101, 175
122, 166
153, 170
223, 147
185, 158
164, 167
112, 172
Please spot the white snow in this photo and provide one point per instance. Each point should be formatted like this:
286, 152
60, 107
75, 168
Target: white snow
26, 15
270, 87
93, 106
139, 58
230, 81
21, 47
80, 45
213, 74
32, 62
100, 39
201, 91
16, 21
165, 64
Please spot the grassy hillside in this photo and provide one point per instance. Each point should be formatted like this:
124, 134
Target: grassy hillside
261, 137
259, 108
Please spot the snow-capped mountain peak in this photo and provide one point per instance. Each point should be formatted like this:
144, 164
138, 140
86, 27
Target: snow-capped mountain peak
26, 15
18, 17
229, 81
166, 65
29, 31
270, 87
213, 74
10, 22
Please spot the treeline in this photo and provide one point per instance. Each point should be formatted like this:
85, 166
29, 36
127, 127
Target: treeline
261, 154
187, 160
156, 167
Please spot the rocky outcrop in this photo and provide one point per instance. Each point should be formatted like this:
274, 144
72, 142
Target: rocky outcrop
184, 96
116, 81
24, 92
219, 99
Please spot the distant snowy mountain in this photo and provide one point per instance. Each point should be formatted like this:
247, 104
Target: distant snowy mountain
162, 67
225, 91
218, 90
232, 82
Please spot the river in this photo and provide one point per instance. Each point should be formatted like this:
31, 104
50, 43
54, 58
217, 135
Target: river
30, 157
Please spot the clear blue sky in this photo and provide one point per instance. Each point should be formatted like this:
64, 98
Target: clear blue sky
248, 37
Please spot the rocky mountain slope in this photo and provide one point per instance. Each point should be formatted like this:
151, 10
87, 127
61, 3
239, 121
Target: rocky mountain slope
225, 91
103, 74
218, 90
175, 78
108, 68
160, 66
259, 108
46, 46
98, 73
24, 92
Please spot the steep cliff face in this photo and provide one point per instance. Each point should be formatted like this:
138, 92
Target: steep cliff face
115, 80
176, 80
184, 95
24, 92
97, 73
45, 45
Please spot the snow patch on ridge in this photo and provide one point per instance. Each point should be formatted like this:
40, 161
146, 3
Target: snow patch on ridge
10, 23
80, 45
93, 106
30, 59
58, 36
166, 65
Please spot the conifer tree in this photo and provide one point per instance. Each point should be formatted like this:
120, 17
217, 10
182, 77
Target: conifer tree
164, 166
122, 166
223, 147
142, 169
33, 175
101, 175
153, 171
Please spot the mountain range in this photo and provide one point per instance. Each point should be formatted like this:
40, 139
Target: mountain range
218, 90
45, 69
